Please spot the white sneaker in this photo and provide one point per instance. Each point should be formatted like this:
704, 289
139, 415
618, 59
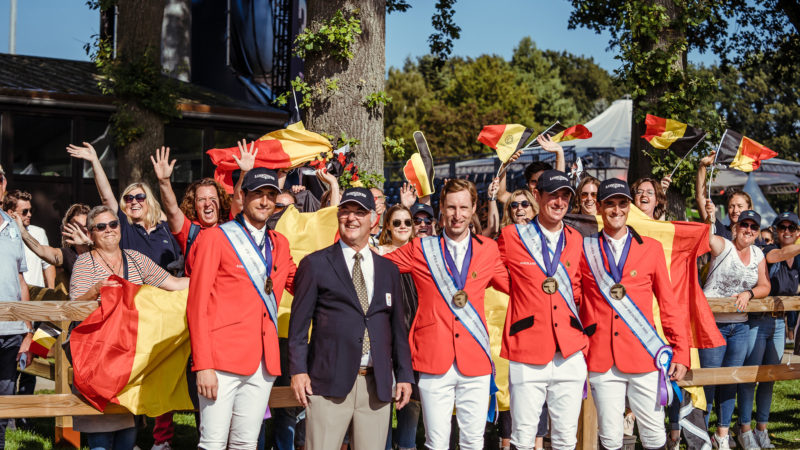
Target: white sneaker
720, 443
748, 441
162, 446
762, 438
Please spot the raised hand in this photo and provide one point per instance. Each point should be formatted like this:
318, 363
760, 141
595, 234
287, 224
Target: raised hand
708, 159
247, 157
547, 144
408, 195
162, 165
86, 152
493, 188
326, 177
665, 182
73, 235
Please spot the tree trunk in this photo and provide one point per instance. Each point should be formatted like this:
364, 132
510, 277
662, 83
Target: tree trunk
139, 35
345, 110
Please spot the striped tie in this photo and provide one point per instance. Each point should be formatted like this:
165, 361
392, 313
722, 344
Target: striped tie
361, 291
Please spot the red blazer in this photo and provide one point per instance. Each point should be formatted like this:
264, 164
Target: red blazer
436, 337
538, 323
613, 343
226, 315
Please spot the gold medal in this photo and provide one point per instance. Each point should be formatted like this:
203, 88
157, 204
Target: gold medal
460, 299
617, 291
268, 285
550, 285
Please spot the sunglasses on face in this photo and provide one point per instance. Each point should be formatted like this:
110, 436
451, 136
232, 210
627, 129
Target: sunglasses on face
648, 192
130, 198
396, 222
791, 228
524, 204
102, 226
421, 220
752, 226
588, 194
27, 211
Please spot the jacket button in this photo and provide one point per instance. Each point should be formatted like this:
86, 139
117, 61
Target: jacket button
555, 325
616, 316
265, 314
456, 334
616, 333
555, 307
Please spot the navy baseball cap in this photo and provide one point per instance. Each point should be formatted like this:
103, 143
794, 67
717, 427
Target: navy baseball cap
786, 217
422, 208
750, 215
611, 187
362, 196
553, 180
258, 178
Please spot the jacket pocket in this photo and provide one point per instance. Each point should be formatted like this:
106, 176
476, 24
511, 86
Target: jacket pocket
520, 325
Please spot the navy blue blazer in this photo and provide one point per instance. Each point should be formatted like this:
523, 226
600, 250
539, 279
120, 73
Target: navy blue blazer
324, 292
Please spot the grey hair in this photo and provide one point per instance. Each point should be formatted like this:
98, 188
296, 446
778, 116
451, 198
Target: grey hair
94, 212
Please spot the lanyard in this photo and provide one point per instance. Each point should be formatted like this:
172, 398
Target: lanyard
616, 267
550, 265
265, 249
459, 277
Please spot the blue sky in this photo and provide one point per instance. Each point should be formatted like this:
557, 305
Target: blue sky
60, 28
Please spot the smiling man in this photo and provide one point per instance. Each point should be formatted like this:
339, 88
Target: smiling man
543, 337
358, 342
240, 271
627, 359
449, 338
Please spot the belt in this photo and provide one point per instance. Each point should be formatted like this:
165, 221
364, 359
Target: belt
362, 371
773, 314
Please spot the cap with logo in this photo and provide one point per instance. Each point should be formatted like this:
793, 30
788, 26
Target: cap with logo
362, 196
551, 181
611, 187
258, 178
422, 208
749, 215
786, 217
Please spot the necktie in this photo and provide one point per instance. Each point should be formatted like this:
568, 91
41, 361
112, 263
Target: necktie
361, 291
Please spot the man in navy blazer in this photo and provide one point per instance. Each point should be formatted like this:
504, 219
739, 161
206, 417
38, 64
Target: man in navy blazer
358, 343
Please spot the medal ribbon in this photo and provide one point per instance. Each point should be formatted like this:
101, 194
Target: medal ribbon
459, 277
616, 267
550, 265
266, 250
631, 315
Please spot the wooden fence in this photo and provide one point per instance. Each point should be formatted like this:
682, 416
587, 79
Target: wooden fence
63, 404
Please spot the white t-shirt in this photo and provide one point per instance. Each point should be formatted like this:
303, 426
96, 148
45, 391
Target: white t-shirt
728, 276
35, 274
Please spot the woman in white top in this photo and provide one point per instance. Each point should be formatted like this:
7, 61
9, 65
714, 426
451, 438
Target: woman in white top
737, 270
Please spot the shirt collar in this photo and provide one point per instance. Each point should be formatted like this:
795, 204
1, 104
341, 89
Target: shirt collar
349, 252
460, 245
616, 241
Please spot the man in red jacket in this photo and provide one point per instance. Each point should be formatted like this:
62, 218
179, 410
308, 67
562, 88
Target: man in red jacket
240, 271
449, 338
543, 338
620, 273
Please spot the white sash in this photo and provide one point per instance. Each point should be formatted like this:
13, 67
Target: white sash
254, 264
533, 244
633, 317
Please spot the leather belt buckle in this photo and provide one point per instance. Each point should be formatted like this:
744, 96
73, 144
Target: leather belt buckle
362, 371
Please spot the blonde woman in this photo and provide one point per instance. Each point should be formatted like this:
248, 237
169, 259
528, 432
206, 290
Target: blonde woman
586, 200
142, 222
397, 229
520, 209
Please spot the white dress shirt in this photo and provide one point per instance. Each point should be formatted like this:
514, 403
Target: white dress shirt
259, 235
552, 236
458, 250
368, 270
616, 245
36, 266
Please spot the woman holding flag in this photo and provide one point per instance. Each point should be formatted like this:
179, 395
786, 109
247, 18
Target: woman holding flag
737, 269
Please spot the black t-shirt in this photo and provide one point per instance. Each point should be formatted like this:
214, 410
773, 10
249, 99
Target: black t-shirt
784, 279
723, 230
70, 255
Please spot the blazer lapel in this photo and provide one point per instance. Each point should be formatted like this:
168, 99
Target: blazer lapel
336, 258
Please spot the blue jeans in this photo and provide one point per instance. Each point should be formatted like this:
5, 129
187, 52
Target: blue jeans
765, 346
730, 355
407, 422
116, 440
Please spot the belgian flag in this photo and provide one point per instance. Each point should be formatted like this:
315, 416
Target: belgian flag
506, 139
559, 133
419, 169
670, 134
742, 153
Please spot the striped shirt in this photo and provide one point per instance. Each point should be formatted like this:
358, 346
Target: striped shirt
88, 271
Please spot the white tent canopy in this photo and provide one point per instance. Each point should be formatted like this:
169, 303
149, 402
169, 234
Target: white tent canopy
610, 130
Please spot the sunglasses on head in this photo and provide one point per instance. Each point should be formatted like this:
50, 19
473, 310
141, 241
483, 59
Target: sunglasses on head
790, 227
138, 197
396, 222
421, 220
524, 204
751, 225
102, 226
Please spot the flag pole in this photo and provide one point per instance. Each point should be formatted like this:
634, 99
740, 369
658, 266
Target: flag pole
684, 156
716, 155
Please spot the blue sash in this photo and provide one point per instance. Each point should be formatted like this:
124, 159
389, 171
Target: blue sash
533, 244
468, 315
633, 317
254, 264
